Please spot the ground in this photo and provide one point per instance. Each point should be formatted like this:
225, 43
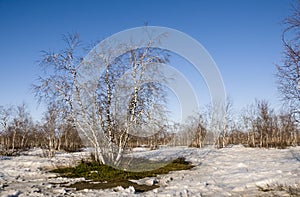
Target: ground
232, 171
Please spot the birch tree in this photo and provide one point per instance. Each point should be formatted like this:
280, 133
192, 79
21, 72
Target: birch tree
288, 74
219, 118
5, 120
25, 124
195, 126
109, 106
50, 128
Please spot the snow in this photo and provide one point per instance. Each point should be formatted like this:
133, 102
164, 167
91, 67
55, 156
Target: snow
234, 171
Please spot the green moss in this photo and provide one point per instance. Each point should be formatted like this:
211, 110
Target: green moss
141, 165
111, 177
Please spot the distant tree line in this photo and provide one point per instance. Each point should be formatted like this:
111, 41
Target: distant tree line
257, 126
260, 126
18, 132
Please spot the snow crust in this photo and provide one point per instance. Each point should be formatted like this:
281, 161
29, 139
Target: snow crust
234, 171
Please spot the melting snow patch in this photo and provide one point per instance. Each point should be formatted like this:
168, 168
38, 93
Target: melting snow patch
235, 171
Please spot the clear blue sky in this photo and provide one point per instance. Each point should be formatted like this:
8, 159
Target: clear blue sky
243, 37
